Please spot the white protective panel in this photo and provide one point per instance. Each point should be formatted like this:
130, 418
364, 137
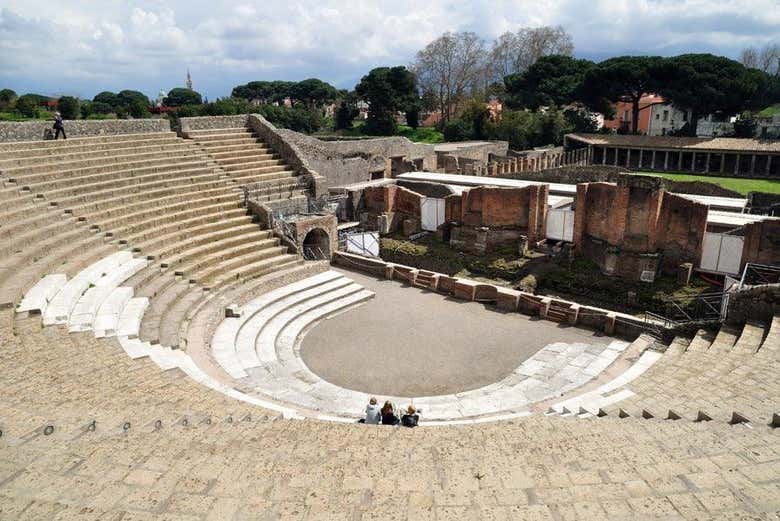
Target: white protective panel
560, 225
721, 253
731, 254
431, 213
366, 244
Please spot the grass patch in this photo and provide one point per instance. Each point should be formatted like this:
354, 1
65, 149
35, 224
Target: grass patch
428, 253
421, 134
770, 111
580, 280
736, 184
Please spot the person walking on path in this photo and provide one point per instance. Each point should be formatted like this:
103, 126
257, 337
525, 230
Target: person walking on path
59, 126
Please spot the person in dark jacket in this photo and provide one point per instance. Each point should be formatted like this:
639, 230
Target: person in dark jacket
59, 126
411, 417
388, 415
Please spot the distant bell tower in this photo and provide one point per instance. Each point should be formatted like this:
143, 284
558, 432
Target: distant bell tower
189, 80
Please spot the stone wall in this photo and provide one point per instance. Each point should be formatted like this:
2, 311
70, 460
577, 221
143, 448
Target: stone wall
762, 243
487, 218
35, 130
636, 226
354, 161
477, 152
288, 151
756, 304
504, 299
390, 202
337, 168
211, 122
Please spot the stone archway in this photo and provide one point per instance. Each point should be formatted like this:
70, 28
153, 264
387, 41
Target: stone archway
316, 244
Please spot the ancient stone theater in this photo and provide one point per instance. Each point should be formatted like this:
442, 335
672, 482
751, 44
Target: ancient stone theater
193, 323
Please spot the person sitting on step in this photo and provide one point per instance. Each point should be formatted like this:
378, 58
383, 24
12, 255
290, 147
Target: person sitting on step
373, 415
411, 417
388, 415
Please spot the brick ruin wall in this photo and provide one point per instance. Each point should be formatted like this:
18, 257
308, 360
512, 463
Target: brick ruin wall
488, 218
636, 226
762, 243
37, 130
395, 203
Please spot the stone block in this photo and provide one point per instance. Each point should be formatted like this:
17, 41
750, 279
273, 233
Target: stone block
411, 226
507, 299
464, 289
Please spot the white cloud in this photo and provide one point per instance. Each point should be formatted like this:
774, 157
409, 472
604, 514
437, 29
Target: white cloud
149, 44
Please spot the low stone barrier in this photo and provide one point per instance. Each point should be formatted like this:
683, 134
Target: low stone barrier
36, 130
505, 299
211, 123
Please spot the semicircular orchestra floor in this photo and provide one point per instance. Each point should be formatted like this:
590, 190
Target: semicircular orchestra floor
407, 341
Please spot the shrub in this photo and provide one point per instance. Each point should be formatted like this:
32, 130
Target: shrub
458, 130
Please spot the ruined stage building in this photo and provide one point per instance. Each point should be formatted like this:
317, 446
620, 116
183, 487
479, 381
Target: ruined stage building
718, 155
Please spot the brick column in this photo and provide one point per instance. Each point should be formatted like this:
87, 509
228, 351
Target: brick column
707, 164
652, 161
617, 155
693, 162
579, 214
768, 164
666, 160
604, 155
753, 164
722, 162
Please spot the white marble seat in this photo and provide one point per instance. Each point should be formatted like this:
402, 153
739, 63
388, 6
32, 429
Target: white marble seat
62, 303
39, 296
130, 317
108, 314
225, 340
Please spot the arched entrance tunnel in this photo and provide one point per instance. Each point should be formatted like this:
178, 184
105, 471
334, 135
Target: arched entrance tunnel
316, 244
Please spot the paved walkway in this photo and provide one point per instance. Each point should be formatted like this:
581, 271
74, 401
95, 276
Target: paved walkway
411, 342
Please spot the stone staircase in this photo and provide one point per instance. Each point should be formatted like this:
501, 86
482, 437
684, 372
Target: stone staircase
246, 159
156, 195
728, 376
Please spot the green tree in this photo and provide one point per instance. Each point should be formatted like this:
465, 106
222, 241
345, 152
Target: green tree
707, 84
180, 96
625, 78
313, 92
127, 98
138, 109
551, 80
98, 107
69, 107
27, 105
109, 98
344, 116
387, 90
7, 98
745, 126
458, 130
477, 117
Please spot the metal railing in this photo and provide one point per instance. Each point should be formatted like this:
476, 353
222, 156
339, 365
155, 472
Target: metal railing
759, 274
314, 253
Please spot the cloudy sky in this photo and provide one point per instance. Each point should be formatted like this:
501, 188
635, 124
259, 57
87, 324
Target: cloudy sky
81, 47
